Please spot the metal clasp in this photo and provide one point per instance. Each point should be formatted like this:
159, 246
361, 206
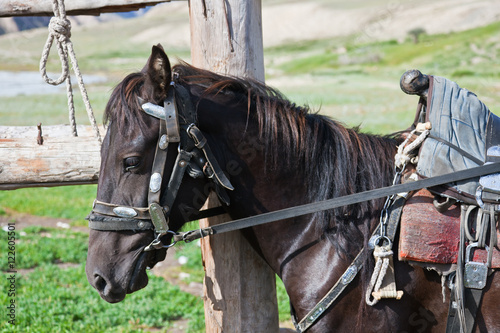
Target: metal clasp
378, 240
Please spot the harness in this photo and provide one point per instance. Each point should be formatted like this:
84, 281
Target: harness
194, 157
178, 126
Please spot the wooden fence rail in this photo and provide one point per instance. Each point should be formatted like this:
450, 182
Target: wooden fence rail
60, 160
73, 7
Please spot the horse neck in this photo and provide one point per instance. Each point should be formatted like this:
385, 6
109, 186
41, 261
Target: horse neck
277, 173
269, 174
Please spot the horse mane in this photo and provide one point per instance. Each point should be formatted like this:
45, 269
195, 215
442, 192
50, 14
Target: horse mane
335, 160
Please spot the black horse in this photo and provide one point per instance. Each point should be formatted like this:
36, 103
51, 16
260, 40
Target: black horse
275, 155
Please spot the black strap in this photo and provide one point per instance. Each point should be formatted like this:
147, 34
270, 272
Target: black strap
158, 168
458, 149
181, 163
109, 223
201, 143
339, 202
346, 278
472, 302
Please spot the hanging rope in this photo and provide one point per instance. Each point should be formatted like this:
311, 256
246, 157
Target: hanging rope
60, 30
381, 255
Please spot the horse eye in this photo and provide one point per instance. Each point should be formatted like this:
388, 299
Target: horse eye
131, 162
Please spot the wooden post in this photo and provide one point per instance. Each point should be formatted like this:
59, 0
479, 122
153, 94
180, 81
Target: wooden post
240, 288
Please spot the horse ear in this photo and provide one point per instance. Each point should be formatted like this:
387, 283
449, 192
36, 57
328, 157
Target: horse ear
158, 72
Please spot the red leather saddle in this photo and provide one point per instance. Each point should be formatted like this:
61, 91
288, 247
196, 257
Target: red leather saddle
430, 236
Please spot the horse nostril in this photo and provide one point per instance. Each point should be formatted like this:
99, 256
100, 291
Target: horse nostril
109, 292
99, 282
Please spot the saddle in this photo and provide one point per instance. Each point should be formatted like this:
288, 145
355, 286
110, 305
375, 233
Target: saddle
463, 133
453, 228
430, 236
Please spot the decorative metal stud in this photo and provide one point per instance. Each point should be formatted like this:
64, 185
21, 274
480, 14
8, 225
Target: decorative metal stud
349, 274
163, 143
155, 182
125, 212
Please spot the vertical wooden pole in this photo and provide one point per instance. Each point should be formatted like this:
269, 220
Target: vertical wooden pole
240, 288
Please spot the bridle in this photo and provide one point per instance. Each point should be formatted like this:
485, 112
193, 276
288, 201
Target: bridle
177, 126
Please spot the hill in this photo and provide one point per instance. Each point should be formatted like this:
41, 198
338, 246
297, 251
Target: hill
319, 19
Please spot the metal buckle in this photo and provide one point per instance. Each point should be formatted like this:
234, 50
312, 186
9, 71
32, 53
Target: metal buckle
490, 193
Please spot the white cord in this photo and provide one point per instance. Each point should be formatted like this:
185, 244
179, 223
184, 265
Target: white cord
60, 30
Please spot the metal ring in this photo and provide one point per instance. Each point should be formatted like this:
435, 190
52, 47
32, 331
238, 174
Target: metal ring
375, 241
156, 244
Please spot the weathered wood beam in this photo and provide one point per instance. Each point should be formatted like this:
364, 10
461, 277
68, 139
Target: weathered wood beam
60, 160
73, 7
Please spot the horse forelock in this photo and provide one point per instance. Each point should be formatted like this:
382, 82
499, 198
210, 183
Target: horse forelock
123, 106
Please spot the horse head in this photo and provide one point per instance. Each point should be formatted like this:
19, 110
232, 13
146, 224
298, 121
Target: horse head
151, 135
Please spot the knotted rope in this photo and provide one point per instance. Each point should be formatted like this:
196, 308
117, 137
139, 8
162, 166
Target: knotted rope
60, 30
382, 283
403, 156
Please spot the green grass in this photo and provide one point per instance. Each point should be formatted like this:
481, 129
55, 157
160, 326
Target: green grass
39, 246
69, 202
51, 109
358, 82
51, 299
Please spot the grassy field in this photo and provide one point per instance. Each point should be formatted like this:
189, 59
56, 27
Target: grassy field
353, 81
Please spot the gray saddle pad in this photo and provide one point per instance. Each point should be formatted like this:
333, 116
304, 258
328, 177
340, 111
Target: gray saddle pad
459, 117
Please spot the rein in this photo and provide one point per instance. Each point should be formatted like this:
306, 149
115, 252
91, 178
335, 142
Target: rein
336, 202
